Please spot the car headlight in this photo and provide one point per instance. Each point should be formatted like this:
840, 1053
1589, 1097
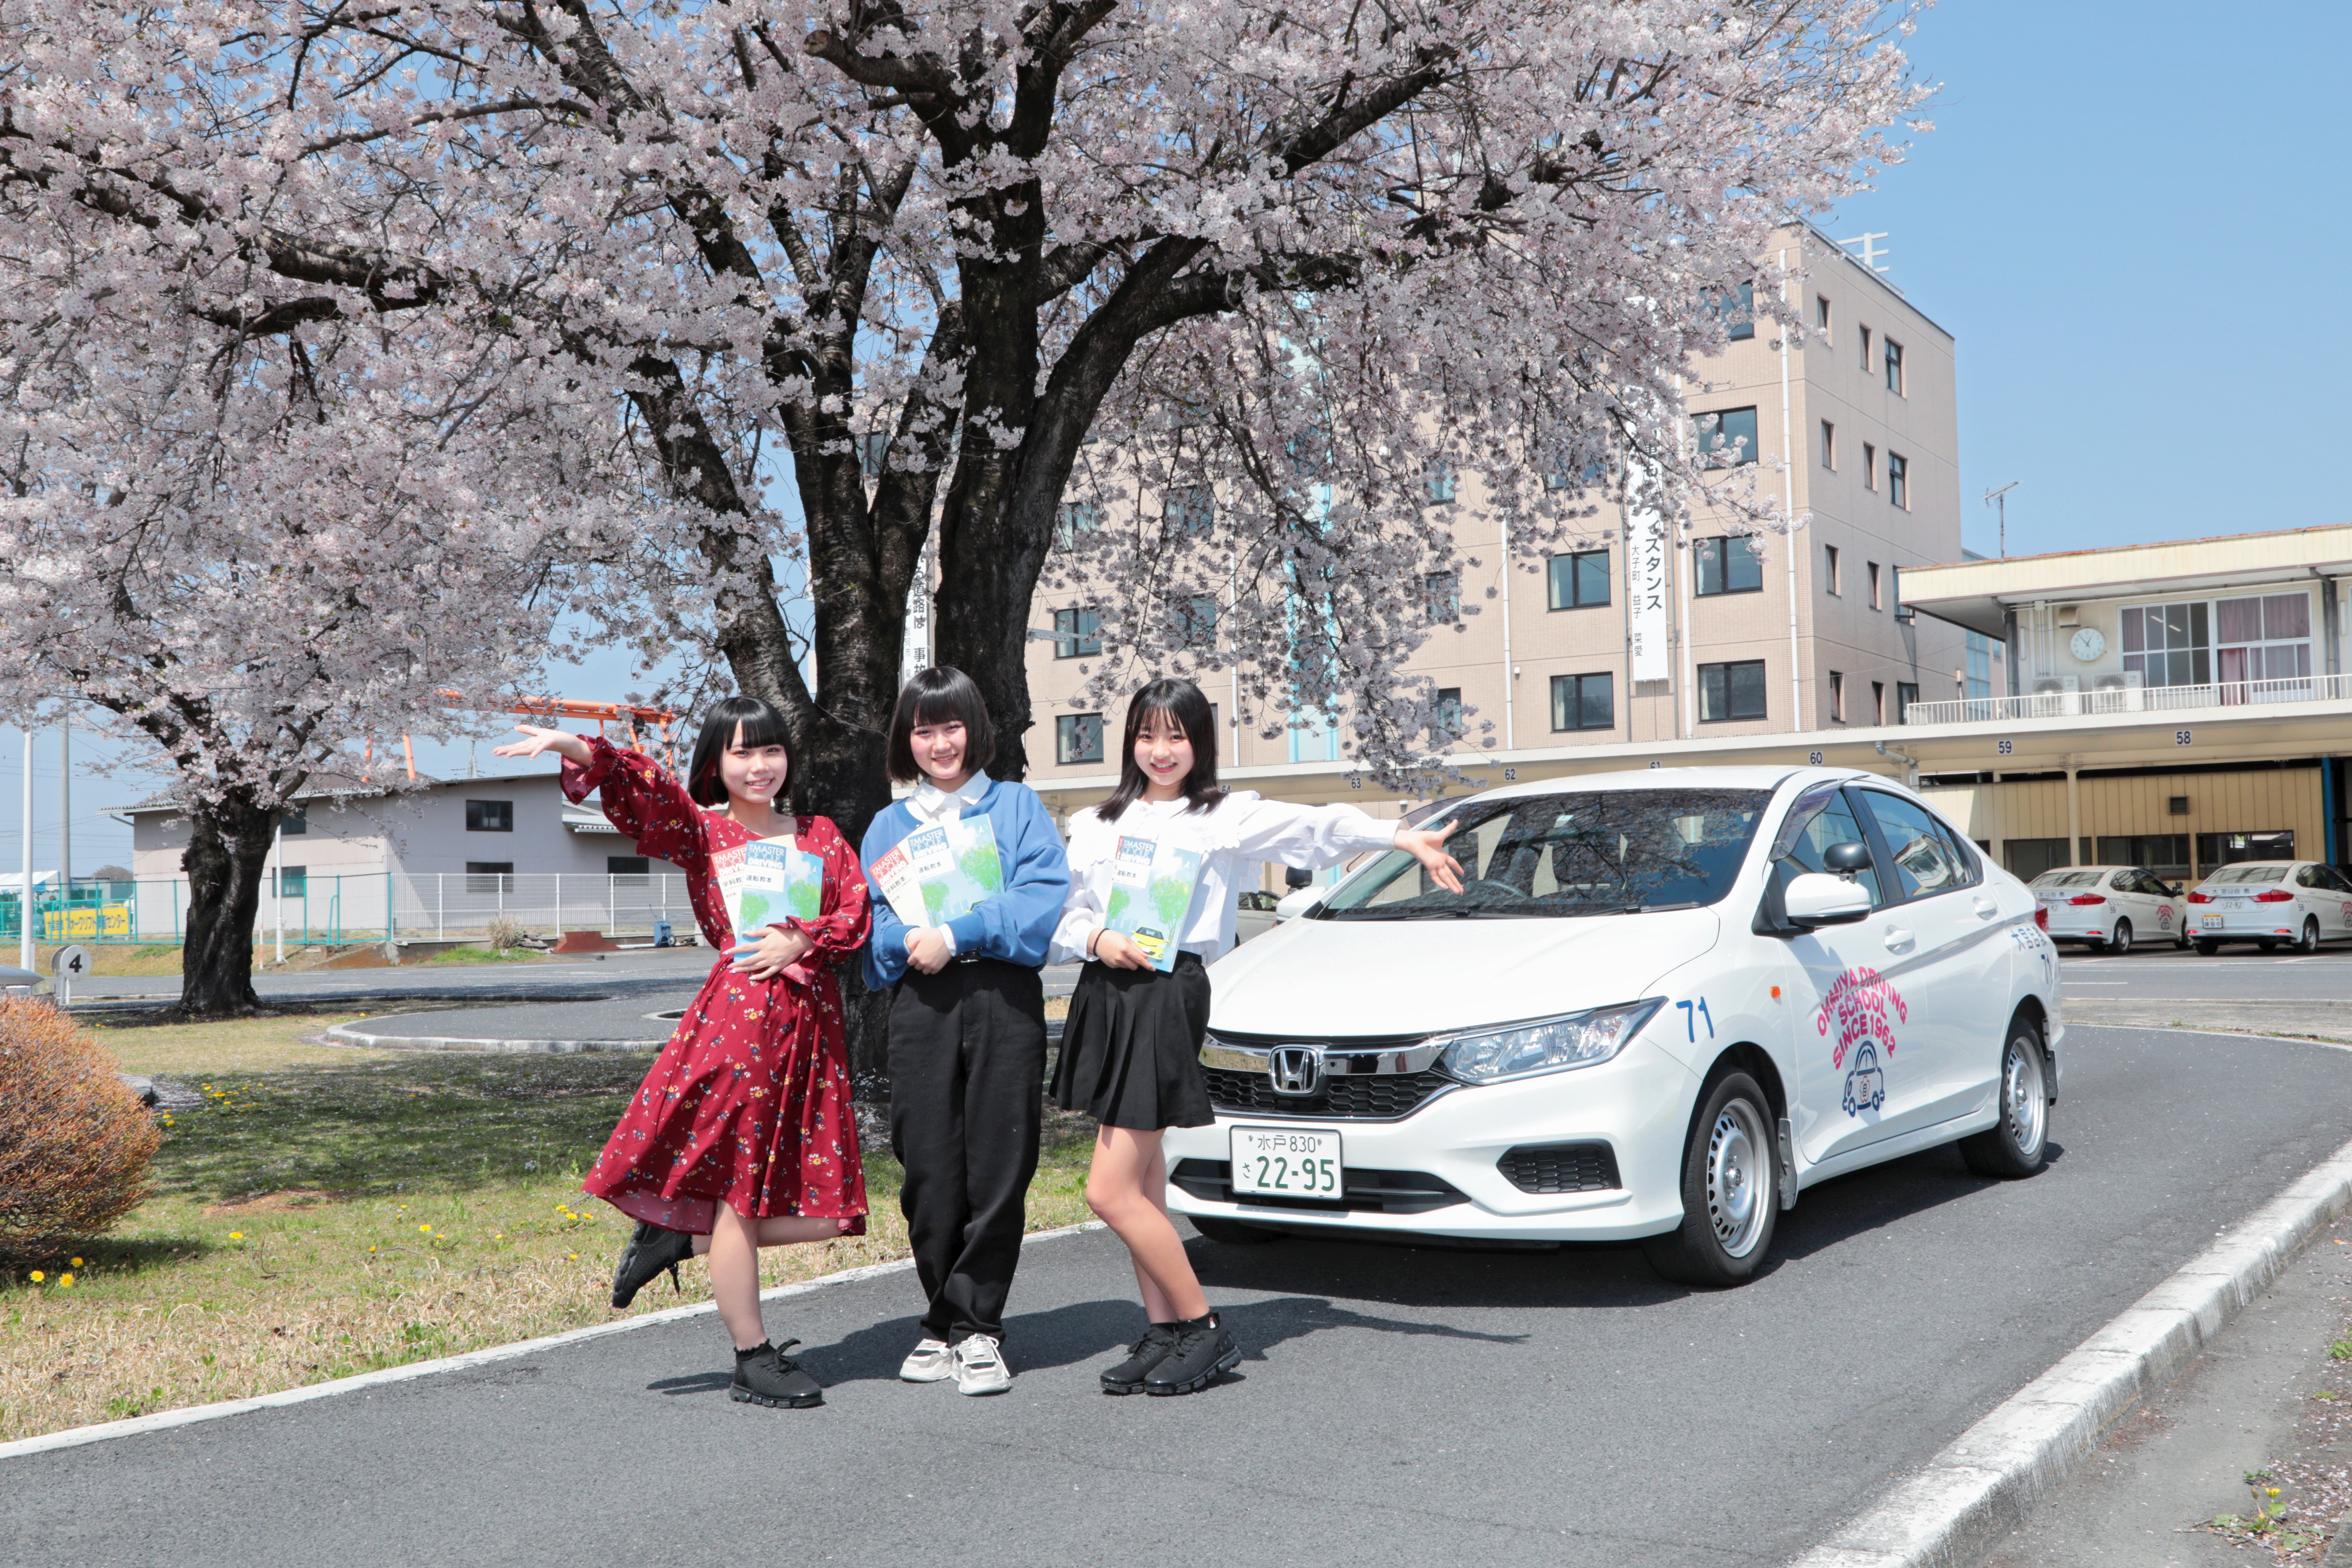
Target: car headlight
1548, 1044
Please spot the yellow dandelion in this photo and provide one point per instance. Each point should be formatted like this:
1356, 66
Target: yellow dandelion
66, 1280
2273, 1490
38, 1277
426, 1228
237, 1235
76, 1263
572, 1256
370, 1249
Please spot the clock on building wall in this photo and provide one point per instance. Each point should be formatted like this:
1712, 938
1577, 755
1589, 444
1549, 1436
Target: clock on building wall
2088, 644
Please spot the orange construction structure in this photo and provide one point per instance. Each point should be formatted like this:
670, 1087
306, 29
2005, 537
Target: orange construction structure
628, 715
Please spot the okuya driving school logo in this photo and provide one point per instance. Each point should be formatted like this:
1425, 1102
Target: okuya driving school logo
1864, 1008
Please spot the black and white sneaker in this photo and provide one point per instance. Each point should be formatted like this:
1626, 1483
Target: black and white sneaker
1147, 1352
648, 1252
766, 1375
1203, 1352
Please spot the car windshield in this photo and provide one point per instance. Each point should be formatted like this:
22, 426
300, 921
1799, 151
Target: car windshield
2068, 880
2247, 874
1594, 852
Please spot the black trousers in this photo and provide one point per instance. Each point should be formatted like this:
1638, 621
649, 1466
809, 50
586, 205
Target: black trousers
967, 1083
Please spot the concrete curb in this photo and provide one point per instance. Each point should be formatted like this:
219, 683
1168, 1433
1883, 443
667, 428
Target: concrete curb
1988, 1476
162, 1420
345, 1033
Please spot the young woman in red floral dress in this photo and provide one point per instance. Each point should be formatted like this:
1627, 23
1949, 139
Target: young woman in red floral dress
742, 1136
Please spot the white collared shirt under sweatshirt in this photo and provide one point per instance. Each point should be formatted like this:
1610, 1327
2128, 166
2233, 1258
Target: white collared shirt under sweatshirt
1238, 830
933, 806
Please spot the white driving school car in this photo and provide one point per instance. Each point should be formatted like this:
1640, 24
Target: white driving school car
1664, 1002
2299, 904
2112, 907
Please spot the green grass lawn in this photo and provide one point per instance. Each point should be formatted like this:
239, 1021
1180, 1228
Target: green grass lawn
328, 1211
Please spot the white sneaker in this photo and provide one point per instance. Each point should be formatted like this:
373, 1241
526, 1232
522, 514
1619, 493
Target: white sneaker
930, 1362
980, 1366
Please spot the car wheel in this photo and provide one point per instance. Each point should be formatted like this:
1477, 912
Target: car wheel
2208, 946
1231, 1232
2309, 940
1731, 1190
2120, 944
2180, 937
2018, 1144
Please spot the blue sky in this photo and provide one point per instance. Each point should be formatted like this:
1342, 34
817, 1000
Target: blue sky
2131, 223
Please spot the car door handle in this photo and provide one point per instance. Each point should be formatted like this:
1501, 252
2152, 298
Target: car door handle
1898, 939
1987, 908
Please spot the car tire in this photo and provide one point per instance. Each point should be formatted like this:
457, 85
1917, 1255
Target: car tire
2121, 942
1731, 1190
2018, 1145
2309, 940
2208, 946
2180, 937
1232, 1232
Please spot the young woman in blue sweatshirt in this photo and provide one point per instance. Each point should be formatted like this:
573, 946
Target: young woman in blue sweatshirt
967, 1029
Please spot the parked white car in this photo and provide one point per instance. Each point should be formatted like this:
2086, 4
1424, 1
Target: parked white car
2300, 903
1664, 1004
2111, 908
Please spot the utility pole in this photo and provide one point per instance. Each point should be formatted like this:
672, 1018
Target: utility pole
2000, 499
24, 897
65, 805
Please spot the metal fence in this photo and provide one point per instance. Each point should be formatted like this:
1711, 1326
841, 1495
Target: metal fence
2130, 700
374, 906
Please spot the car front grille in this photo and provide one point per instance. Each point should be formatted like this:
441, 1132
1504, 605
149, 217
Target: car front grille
1373, 1097
1362, 1190
1560, 1167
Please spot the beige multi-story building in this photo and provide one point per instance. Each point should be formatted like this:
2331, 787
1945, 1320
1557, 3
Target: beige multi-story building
1850, 425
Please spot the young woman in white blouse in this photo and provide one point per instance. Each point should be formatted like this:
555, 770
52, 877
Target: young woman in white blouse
1131, 1045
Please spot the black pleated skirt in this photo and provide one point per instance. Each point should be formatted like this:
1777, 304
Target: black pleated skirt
1131, 1047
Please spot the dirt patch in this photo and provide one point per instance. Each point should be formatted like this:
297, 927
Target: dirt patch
274, 1203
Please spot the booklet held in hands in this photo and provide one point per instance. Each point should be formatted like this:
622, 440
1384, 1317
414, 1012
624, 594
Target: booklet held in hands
936, 873
1151, 887
768, 880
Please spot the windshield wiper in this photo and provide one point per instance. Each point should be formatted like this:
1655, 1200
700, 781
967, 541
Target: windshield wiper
1442, 913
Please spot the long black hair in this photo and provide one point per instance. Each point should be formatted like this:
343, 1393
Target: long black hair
941, 694
762, 726
1180, 702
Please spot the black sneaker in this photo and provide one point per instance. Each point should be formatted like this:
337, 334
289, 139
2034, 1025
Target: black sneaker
1202, 1352
1149, 1352
646, 1253
766, 1375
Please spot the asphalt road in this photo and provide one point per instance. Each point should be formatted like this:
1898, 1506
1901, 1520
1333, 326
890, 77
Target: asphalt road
1397, 1406
2166, 975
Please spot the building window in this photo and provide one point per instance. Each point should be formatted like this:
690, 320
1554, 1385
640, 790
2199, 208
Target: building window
1837, 698
1865, 350
1578, 581
2164, 854
1437, 479
1074, 517
1728, 692
1879, 702
2265, 638
490, 876
1726, 438
1894, 367
1077, 738
1450, 723
629, 870
295, 820
1828, 446
1907, 692
1584, 701
293, 881
1869, 466
1076, 634
1874, 603
1567, 477
1192, 509
2229, 849
1728, 564
1196, 621
1829, 569
1738, 308
1979, 666
1822, 316
1440, 597
2168, 645
1898, 479
489, 816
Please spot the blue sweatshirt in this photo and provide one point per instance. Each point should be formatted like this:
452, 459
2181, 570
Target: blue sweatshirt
1017, 924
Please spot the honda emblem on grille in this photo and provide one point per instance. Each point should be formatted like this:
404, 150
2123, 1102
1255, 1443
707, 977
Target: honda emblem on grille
1297, 1069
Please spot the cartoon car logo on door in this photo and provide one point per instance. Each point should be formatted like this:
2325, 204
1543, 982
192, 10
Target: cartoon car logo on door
1865, 1081
2164, 915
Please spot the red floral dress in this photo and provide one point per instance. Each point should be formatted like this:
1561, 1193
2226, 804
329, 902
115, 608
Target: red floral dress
749, 1104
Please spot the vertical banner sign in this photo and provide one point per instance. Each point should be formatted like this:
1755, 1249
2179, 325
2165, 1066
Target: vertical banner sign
915, 651
1646, 576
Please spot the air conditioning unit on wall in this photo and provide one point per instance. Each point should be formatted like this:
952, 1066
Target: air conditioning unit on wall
2125, 691
2064, 693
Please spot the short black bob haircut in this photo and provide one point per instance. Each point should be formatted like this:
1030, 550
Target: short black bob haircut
762, 726
940, 695
1181, 703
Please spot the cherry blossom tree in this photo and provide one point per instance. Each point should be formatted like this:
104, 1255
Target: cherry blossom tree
906, 257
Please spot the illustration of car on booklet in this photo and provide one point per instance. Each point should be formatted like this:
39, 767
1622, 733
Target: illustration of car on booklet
767, 880
936, 873
1152, 887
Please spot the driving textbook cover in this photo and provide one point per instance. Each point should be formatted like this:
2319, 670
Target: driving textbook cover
767, 880
1152, 887
936, 873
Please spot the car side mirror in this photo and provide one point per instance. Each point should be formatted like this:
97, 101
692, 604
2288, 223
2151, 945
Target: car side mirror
1295, 876
2177, 888
1818, 899
1848, 857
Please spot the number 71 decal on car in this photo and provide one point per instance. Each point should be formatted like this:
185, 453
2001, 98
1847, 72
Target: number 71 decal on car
1694, 1014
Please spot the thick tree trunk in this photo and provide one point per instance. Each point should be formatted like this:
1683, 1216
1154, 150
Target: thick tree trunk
226, 858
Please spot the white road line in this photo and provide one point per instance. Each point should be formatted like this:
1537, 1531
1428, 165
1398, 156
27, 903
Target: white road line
162, 1420
1988, 1476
